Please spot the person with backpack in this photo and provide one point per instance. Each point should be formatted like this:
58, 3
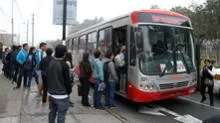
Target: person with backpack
20, 58
110, 77
44, 68
39, 56
97, 71
121, 68
85, 72
31, 70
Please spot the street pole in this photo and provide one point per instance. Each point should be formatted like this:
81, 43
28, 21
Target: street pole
27, 30
64, 20
32, 29
12, 22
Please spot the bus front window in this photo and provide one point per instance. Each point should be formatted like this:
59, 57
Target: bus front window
166, 50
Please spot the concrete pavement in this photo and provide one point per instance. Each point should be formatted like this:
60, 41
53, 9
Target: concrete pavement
23, 106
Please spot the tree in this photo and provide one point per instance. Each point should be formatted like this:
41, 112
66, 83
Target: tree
206, 22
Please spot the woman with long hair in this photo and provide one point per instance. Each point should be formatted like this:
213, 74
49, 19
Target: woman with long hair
32, 71
85, 72
68, 60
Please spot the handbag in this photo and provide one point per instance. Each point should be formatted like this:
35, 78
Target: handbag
27, 65
91, 79
208, 82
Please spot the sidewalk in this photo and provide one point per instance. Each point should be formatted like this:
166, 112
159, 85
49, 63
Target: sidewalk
23, 106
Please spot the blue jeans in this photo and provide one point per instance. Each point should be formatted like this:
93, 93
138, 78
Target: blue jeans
97, 94
110, 94
33, 73
58, 107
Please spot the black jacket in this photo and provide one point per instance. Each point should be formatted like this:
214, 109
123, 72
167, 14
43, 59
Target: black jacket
206, 74
44, 64
58, 78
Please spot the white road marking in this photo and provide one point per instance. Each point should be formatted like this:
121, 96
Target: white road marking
155, 110
203, 104
151, 111
188, 119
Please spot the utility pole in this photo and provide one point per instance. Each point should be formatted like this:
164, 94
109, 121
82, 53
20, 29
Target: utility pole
27, 30
32, 29
12, 22
64, 19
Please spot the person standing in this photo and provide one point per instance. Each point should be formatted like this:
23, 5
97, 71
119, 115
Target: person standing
10, 63
32, 61
4, 61
16, 65
68, 60
21, 57
85, 72
207, 81
59, 86
39, 57
44, 68
97, 70
112, 79
121, 68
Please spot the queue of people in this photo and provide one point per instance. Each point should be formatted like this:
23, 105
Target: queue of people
54, 76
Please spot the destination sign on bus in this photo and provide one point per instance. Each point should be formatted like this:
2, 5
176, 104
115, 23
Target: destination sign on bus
162, 18
158, 19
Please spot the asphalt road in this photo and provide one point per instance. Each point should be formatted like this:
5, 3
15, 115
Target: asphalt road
186, 109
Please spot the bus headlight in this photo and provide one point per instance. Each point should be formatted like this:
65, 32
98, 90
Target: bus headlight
192, 82
149, 86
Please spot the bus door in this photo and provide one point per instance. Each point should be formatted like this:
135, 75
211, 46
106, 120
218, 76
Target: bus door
120, 38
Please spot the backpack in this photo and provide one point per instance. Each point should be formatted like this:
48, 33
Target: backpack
106, 71
13, 57
119, 59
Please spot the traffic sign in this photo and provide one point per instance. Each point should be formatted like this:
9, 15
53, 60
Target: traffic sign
58, 12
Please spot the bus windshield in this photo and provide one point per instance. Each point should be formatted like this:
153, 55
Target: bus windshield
166, 50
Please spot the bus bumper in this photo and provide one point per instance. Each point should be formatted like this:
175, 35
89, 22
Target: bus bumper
139, 96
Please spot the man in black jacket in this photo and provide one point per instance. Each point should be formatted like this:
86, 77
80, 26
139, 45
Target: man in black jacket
59, 86
44, 67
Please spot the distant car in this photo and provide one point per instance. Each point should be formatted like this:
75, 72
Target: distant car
216, 81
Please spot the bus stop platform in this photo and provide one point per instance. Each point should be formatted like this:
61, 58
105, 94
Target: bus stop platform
23, 106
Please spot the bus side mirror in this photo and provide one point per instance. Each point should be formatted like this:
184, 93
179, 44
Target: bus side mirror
138, 38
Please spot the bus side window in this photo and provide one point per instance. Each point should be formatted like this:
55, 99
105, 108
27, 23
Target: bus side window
76, 48
105, 39
132, 49
92, 43
72, 45
82, 44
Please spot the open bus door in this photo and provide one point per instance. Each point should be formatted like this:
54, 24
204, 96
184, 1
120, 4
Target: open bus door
120, 38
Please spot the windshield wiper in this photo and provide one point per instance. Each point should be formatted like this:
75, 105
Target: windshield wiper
185, 63
164, 71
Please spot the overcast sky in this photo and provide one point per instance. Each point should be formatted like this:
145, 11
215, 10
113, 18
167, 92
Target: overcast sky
86, 9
